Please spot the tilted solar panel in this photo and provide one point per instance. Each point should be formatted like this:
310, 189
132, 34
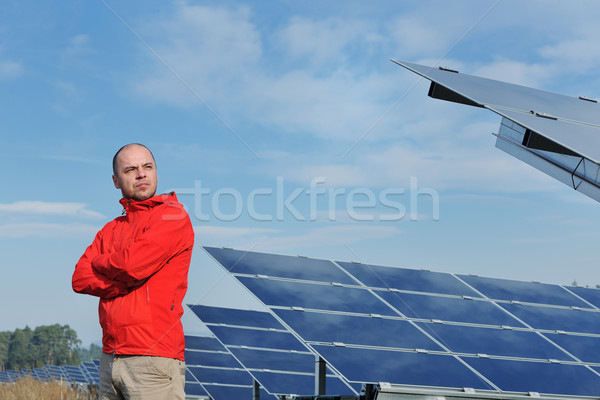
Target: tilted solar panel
268, 351
212, 371
484, 334
557, 134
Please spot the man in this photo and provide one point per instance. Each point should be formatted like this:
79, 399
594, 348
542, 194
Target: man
137, 265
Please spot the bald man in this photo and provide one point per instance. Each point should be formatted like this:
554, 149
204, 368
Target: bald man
138, 265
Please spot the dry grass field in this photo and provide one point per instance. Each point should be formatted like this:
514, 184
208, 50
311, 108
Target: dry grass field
30, 389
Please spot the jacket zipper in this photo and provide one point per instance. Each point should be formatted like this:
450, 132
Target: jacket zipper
109, 326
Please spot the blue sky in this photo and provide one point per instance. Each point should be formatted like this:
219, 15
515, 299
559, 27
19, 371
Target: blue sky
249, 107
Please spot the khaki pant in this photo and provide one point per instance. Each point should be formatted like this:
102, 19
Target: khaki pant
141, 377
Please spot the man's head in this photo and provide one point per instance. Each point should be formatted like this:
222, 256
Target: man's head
134, 172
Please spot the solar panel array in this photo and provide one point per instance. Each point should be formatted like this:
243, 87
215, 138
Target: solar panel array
271, 354
86, 373
415, 328
213, 371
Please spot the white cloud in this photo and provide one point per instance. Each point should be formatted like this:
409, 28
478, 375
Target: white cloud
266, 239
46, 230
224, 232
10, 69
413, 35
209, 48
47, 208
219, 54
327, 236
517, 72
319, 42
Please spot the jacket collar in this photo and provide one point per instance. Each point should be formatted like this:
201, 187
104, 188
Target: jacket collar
130, 205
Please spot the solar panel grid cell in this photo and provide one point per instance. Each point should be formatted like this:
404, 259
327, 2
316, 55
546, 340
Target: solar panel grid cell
247, 262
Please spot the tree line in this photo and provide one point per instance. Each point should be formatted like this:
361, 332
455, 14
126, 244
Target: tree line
45, 345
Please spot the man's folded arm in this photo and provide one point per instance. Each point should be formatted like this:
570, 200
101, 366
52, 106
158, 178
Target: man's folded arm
164, 239
88, 281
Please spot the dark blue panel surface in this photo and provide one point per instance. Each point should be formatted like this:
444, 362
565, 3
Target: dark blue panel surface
547, 378
585, 348
449, 309
219, 392
247, 262
401, 368
504, 289
275, 360
497, 342
560, 319
589, 294
319, 327
188, 375
325, 297
407, 279
219, 375
209, 359
194, 389
284, 384
257, 338
229, 316
203, 343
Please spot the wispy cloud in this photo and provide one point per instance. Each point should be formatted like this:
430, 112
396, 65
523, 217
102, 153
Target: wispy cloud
10, 69
225, 232
262, 239
46, 230
327, 236
50, 209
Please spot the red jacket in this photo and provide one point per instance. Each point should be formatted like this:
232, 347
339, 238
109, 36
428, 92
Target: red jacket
138, 266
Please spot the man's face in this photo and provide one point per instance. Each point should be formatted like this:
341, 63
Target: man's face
136, 173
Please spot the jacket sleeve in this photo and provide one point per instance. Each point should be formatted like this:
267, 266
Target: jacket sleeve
88, 281
163, 238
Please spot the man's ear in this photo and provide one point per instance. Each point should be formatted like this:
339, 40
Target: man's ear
116, 182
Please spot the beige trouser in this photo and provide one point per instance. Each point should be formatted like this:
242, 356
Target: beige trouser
141, 377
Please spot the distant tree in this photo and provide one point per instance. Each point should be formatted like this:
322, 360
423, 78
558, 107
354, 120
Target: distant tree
55, 345
46, 345
4, 343
20, 349
92, 353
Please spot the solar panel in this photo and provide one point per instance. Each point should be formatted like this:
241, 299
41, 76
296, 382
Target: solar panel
5, 377
483, 334
244, 262
315, 296
212, 371
532, 292
75, 374
591, 296
92, 371
557, 319
268, 351
55, 372
449, 309
407, 279
356, 330
557, 134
